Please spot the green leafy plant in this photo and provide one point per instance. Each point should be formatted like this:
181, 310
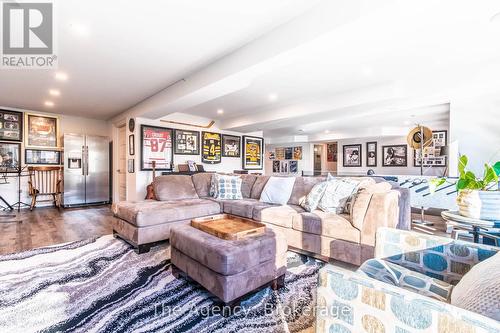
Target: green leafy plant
468, 180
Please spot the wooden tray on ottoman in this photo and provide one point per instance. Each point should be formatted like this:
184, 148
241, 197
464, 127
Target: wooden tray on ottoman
228, 227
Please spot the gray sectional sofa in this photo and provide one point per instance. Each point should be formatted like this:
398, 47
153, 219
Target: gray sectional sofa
347, 237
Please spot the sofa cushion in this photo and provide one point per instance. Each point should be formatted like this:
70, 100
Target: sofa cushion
228, 257
258, 186
402, 277
152, 212
327, 224
277, 215
247, 184
243, 208
174, 187
277, 190
201, 183
479, 289
302, 187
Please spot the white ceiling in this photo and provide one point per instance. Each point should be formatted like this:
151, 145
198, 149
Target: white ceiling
117, 53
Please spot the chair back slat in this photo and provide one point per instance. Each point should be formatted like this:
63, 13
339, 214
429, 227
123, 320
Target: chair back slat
45, 179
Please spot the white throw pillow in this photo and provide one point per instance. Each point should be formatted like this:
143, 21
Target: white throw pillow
228, 187
337, 193
479, 290
311, 201
278, 190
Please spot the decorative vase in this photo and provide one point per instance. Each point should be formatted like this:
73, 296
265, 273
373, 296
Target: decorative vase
482, 205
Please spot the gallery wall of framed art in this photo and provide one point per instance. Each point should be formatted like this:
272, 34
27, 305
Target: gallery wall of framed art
285, 160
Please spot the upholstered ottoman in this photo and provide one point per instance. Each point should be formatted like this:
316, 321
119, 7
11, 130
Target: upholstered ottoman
229, 269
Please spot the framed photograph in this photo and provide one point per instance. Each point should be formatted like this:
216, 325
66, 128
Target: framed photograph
131, 165
131, 144
432, 154
279, 153
331, 152
156, 145
395, 156
10, 157
231, 145
252, 153
11, 125
41, 131
293, 166
276, 166
271, 155
352, 155
284, 167
288, 153
212, 148
186, 142
40, 156
371, 154
297, 153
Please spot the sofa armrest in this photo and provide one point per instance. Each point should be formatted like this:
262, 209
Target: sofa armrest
378, 210
350, 302
443, 258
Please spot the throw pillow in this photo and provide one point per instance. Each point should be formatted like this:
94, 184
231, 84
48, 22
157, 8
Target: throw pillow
229, 187
337, 193
311, 201
278, 190
479, 290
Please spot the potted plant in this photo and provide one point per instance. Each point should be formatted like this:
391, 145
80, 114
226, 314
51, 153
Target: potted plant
478, 198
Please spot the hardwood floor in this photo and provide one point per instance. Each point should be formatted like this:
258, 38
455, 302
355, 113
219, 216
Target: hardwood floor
49, 226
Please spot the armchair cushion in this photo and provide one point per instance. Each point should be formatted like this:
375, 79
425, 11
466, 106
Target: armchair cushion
407, 279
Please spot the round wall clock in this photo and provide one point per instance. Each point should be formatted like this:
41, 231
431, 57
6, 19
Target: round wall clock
131, 124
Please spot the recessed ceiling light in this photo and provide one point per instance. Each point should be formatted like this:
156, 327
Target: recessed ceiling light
327, 131
272, 97
54, 92
61, 76
49, 103
220, 111
79, 29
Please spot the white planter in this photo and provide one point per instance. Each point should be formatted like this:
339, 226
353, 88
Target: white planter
483, 205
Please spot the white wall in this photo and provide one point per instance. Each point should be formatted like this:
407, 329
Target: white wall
138, 181
68, 124
305, 164
379, 169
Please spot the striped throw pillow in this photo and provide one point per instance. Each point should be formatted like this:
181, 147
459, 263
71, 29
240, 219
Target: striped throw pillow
311, 201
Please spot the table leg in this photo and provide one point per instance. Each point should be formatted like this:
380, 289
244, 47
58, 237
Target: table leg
475, 234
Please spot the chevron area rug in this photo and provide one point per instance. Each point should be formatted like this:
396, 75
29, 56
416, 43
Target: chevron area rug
102, 285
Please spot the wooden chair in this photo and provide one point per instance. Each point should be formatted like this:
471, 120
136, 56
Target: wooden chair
45, 181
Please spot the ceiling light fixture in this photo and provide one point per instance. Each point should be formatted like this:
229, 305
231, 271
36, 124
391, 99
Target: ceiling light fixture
61, 76
54, 92
272, 97
220, 111
327, 131
49, 103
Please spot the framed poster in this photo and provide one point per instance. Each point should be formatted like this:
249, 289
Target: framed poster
41, 131
212, 147
40, 156
156, 145
10, 157
187, 142
276, 166
131, 144
252, 153
231, 146
288, 153
395, 156
280, 153
11, 125
331, 152
371, 154
432, 154
352, 155
284, 167
293, 166
297, 153
271, 155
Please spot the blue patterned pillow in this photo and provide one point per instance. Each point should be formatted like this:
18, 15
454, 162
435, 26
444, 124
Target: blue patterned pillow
311, 201
229, 187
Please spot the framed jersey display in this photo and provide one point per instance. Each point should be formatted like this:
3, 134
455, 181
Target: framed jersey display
252, 153
156, 145
211, 153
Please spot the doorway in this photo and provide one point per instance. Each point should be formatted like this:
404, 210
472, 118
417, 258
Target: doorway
318, 153
122, 164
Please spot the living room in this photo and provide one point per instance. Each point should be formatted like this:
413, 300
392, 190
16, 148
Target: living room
263, 166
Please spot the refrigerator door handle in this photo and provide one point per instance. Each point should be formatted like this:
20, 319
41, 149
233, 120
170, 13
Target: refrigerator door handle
87, 159
83, 160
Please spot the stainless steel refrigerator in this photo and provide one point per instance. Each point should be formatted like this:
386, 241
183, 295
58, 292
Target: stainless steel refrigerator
86, 170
